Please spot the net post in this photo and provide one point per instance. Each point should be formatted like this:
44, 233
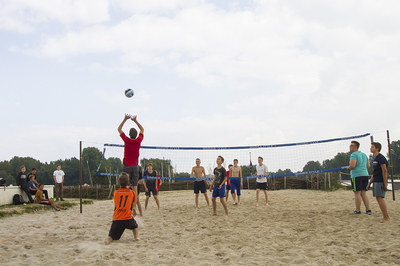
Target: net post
80, 175
390, 165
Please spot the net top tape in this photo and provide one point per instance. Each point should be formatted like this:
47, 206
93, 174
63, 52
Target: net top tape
244, 147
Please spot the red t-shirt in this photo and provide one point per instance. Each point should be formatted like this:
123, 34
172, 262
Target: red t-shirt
123, 200
228, 182
131, 150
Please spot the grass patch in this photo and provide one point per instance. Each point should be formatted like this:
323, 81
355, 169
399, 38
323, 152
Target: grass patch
11, 210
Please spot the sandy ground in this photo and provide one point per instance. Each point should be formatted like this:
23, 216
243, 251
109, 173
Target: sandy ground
302, 227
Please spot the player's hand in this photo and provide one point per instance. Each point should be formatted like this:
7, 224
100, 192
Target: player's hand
368, 186
134, 117
127, 116
385, 188
134, 212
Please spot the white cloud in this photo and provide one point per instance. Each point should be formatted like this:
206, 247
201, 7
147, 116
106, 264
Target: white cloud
24, 15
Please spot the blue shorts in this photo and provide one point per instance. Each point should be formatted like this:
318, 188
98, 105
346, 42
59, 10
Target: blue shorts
235, 183
219, 192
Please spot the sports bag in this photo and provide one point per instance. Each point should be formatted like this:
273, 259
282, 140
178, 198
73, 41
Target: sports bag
18, 199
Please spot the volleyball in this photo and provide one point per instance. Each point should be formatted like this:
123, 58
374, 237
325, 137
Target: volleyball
129, 93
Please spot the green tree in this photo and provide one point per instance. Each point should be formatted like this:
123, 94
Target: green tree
395, 153
340, 159
163, 167
312, 166
91, 157
182, 174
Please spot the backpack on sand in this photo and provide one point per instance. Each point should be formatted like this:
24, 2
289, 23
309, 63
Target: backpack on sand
18, 199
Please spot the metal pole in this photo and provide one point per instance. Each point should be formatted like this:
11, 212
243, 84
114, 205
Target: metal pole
390, 164
248, 185
80, 174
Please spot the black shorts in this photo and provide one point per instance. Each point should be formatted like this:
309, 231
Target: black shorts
359, 183
118, 228
228, 187
199, 186
133, 172
263, 186
152, 189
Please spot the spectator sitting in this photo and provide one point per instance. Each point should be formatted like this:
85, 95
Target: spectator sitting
33, 189
40, 200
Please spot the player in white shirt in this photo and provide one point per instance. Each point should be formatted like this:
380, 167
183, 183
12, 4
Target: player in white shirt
261, 181
58, 176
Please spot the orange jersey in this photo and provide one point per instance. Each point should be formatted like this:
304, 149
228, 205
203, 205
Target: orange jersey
123, 200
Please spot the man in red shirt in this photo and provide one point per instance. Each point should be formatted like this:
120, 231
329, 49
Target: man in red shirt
131, 152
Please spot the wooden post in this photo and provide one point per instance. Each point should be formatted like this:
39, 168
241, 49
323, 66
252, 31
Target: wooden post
97, 191
390, 170
284, 182
324, 180
329, 179
317, 181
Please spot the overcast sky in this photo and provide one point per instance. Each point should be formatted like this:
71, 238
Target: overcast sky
205, 73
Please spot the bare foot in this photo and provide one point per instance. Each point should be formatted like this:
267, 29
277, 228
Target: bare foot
234, 203
107, 241
257, 205
385, 220
226, 214
267, 204
137, 239
214, 214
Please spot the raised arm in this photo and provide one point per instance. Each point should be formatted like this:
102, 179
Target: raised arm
122, 123
134, 119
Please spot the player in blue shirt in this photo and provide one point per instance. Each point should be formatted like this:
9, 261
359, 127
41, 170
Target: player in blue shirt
359, 177
379, 179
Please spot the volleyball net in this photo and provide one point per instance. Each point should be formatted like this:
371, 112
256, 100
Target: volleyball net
290, 159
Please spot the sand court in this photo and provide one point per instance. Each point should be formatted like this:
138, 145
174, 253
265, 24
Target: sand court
298, 227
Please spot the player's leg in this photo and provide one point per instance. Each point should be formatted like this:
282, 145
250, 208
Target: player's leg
233, 186
222, 194
139, 206
53, 204
238, 191
214, 200
382, 206
136, 234
196, 192
357, 200
155, 195
257, 195
228, 189
196, 200
365, 199
61, 192
214, 203
266, 196
206, 196
146, 202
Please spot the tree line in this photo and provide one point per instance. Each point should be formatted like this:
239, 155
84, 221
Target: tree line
91, 158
